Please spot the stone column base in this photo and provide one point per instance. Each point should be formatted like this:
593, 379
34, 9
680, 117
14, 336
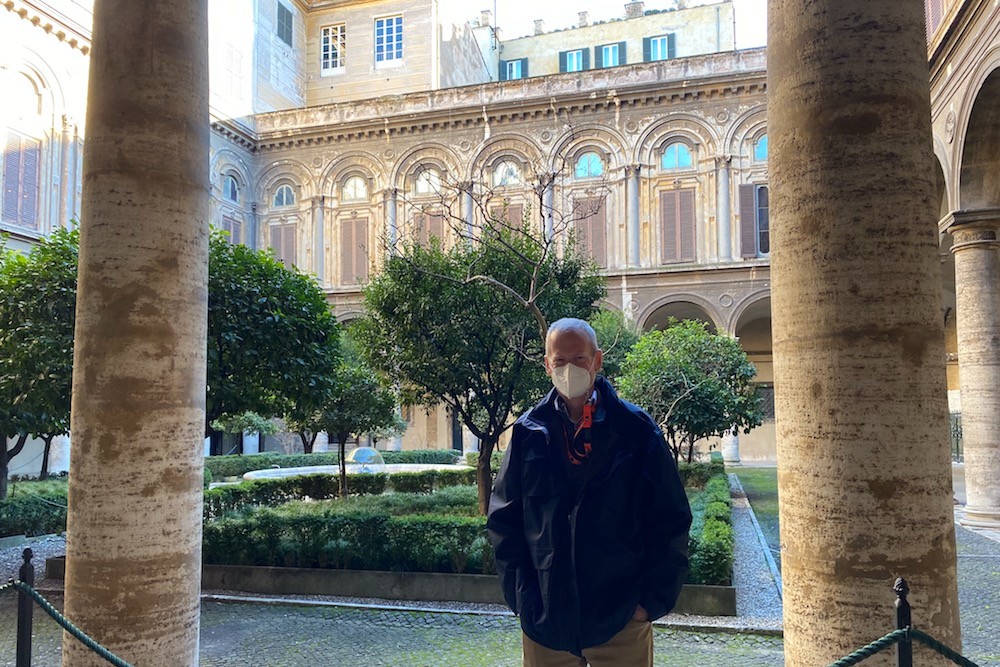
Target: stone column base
981, 517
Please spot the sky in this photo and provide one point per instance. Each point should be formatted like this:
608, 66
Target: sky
516, 18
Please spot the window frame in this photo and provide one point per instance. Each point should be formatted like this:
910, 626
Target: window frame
756, 148
518, 179
281, 27
285, 203
678, 144
510, 65
589, 171
332, 46
350, 199
766, 231
665, 44
226, 180
577, 56
392, 52
605, 50
433, 179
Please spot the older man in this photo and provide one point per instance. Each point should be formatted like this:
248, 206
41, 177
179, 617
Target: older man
588, 517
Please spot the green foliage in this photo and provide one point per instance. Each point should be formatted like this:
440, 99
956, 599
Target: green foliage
231, 498
34, 508
694, 383
615, 336
207, 478
413, 482
237, 465
496, 459
696, 475
272, 340
463, 326
455, 477
245, 422
711, 539
37, 317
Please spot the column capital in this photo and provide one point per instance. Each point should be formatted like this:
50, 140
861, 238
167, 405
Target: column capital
390, 193
632, 169
723, 160
975, 227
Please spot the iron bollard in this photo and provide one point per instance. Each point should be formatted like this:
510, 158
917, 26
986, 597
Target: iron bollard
904, 655
24, 611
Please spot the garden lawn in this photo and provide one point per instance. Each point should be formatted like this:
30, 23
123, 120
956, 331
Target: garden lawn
761, 485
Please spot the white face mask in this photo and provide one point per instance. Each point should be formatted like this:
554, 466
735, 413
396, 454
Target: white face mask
572, 381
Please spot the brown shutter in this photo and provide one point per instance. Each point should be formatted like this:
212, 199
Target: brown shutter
276, 242
686, 224
237, 233
420, 229
347, 252
288, 250
581, 212
360, 251
435, 227
668, 227
599, 234
748, 221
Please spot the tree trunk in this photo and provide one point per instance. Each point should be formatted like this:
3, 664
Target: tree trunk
484, 474
44, 472
308, 440
342, 448
690, 456
133, 543
215, 443
4, 462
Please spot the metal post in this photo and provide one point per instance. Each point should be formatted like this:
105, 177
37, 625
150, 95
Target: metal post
904, 657
24, 609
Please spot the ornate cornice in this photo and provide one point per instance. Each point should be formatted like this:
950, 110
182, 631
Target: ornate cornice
238, 135
643, 85
41, 15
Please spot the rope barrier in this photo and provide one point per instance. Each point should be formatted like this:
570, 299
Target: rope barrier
869, 650
934, 644
65, 623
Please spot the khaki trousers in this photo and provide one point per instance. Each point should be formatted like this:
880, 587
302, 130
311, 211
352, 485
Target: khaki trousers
632, 647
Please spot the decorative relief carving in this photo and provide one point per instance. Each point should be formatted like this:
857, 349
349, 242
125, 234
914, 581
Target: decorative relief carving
963, 236
631, 127
389, 153
317, 162
465, 144
545, 137
949, 126
722, 116
726, 301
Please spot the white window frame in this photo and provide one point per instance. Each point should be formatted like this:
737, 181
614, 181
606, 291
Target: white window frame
514, 70
606, 51
284, 187
659, 47
507, 174
574, 61
427, 182
392, 53
225, 188
347, 195
332, 48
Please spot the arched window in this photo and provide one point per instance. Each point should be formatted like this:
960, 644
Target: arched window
760, 149
231, 189
589, 165
428, 182
355, 189
506, 174
676, 156
284, 196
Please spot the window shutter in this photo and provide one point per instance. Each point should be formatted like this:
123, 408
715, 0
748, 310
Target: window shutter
361, 250
288, 250
622, 60
347, 271
11, 178
685, 220
598, 57
668, 227
435, 227
276, 242
237, 233
599, 234
562, 61
586, 58
748, 222
420, 229
524, 68
29, 183
672, 45
646, 50
503, 70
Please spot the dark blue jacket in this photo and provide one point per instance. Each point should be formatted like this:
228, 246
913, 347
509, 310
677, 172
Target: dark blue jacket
574, 566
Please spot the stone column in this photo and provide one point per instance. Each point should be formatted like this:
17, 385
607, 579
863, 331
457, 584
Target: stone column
468, 209
977, 313
864, 469
546, 191
392, 232
723, 216
731, 448
632, 196
318, 239
133, 547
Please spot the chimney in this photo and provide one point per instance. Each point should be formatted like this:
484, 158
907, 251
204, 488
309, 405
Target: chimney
583, 19
539, 26
634, 10
485, 17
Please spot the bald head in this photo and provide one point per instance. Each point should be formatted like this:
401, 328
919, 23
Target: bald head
570, 325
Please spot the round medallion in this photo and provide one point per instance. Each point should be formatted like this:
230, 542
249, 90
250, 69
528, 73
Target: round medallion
631, 127
465, 144
725, 301
722, 116
317, 162
546, 137
633, 306
389, 153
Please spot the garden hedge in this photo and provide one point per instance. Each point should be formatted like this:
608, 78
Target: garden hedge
33, 514
711, 540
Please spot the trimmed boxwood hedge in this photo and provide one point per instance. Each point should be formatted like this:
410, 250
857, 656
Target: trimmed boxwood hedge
711, 540
237, 465
30, 514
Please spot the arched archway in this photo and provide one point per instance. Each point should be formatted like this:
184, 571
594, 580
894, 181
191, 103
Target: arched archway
979, 185
752, 327
659, 317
